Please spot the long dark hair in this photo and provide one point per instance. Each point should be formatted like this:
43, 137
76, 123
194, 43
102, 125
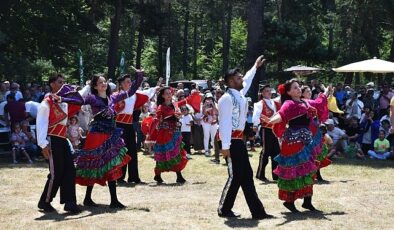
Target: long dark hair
160, 99
303, 89
93, 83
285, 96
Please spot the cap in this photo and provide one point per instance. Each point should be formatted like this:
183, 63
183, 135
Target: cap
329, 122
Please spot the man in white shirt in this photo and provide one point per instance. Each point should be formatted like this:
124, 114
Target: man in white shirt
266, 107
338, 136
233, 108
51, 137
31, 108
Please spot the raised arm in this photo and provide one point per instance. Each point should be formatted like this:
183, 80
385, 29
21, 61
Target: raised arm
248, 78
134, 87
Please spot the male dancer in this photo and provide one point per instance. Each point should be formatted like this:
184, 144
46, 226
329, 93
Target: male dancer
266, 107
232, 117
124, 120
51, 137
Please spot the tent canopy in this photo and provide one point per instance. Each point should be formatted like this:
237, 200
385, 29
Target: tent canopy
374, 65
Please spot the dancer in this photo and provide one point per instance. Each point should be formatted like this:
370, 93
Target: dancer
124, 120
51, 137
232, 118
297, 126
165, 136
103, 155
269, 142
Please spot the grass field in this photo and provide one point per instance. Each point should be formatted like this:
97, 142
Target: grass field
359, 195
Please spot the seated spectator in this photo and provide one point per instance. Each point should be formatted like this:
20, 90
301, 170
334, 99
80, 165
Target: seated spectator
328, 142
14, 89
14, 111
30, 144
381, 148
354, 150
31, 108
18, 142
370, 131
353, 129
3, 90
384, 100
338, 136
385, 126
74, 132
354, 106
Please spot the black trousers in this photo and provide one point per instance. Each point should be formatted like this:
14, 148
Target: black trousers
61, 173
129, 138
240, 174
271, 149
186, 139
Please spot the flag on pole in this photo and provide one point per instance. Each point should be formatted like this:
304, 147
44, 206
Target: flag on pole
80, 61
122, 65
168, 66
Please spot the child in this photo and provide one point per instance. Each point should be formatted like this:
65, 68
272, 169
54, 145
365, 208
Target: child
186, 121
354, 150
144, 114
381, 147
74, 132
18, 140
31, 143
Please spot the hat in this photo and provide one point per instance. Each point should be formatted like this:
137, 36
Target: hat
329, 122
264, 86
370, 84
208, 95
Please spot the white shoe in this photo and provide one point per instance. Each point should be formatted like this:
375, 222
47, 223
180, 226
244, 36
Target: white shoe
207, 154
188, 156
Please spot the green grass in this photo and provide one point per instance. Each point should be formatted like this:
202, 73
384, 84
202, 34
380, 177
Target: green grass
359, 195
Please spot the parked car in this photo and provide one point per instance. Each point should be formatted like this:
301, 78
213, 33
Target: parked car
190, 84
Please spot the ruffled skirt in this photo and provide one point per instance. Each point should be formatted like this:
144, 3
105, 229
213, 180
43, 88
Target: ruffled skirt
170, 156
101, 158
296, 169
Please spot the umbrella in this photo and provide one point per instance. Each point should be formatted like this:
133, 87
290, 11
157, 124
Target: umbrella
302, 70
374, 65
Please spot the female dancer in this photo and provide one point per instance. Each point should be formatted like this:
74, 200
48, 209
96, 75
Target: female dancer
103, 155
166, 136
297, 126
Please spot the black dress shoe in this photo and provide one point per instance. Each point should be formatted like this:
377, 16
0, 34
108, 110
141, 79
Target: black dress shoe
46, 207
262, 216
89, 203
229, 214
180, 180
121, 181
291, 207
72, 208
158, 179
136, 181
117, 205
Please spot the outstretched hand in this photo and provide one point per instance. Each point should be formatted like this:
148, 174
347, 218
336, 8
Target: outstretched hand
260, 61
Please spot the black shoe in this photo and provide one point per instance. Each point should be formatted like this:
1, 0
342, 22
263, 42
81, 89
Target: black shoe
262, 216
121, 181
216, 161
89, 203
72, 208
308, 204
136, 181
46, 207
117, 205
229, 214
180, 180
291, 207
158, 179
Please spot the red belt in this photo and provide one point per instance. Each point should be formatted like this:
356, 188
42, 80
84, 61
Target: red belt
237, 134
124, 118
58, 130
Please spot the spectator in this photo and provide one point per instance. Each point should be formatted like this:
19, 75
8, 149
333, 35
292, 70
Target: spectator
2, 92
74, 132
385, 126
353, 129
340, 95
18, 140
354, 106
384, 100
3, 120
354, 150
338, 136
209, 121
368, 126
180, 86
14, 89
369, 101
381, 148
31, 108
31, 143
14, 111
186, 121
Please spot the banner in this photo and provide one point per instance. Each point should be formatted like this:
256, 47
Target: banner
80, 61
122, 65
168, 66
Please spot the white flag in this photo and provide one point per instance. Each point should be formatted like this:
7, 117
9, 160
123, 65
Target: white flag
168, 66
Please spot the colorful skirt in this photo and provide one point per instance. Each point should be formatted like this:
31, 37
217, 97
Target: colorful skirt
170, 156
101, 158
322, 159
297, 164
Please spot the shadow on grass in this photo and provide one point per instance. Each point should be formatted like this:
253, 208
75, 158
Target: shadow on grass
241, 223
9, 165
154, 184
376, 164
290, 217
87, 212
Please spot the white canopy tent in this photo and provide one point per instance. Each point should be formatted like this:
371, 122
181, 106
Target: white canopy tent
301, 70
374, 65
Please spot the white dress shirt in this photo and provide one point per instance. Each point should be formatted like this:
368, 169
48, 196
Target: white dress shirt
225, 106
258, 109
42, 122
130, 101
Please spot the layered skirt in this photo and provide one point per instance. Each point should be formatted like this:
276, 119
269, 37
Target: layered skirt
102, 157
297, 162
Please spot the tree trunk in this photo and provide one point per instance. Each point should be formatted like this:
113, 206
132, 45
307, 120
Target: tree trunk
227, 35
185, 41
160, 55
114, 40
254, 47
195, 47
140, 45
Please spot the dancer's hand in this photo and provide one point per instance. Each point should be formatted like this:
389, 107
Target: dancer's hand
226, 153
260, 61
45, 152
264, 118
